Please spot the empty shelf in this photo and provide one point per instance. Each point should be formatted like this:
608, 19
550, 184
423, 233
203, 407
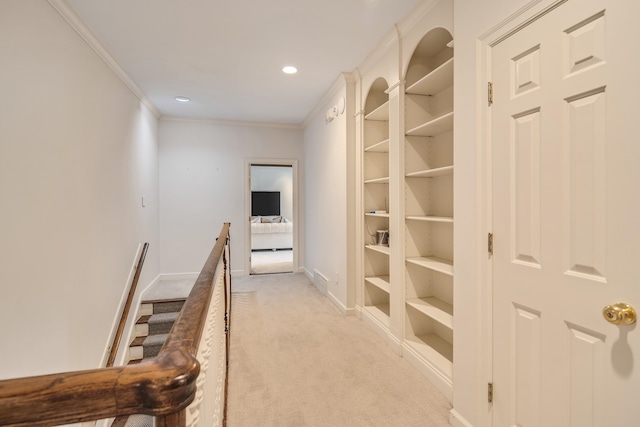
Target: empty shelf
432, 263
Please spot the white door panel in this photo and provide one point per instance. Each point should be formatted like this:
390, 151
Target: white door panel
565, 218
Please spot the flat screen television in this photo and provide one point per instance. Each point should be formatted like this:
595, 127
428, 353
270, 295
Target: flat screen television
265, 203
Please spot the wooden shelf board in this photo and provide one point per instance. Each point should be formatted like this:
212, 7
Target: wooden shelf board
433, 127
381, 282
447, 219
437, 80
432, 263
379, 147
379, 114
385, 215
436, 309
383, 180
430, 173
380, 312
434, 349
379, 248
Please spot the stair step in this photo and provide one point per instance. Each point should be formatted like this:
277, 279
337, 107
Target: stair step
148, 346
138, 361
151, 328
137, 341
143, 319
166, 306
120, 421
154, 339
137, 420
161, 323
152, 344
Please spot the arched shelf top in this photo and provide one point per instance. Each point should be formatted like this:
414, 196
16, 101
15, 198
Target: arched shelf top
432, 53
376, 106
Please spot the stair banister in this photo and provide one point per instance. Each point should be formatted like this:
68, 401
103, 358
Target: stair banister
127, 306
162, 387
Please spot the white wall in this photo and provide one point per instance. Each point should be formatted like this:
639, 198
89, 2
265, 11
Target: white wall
275, 178
77, 152
203, 183
325, 154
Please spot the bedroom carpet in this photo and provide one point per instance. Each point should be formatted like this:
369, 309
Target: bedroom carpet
269, 262
296, 361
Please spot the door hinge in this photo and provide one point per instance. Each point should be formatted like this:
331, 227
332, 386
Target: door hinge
490, 243
490, 93
490, 392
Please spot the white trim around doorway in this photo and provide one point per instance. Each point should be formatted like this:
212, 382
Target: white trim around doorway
293, 163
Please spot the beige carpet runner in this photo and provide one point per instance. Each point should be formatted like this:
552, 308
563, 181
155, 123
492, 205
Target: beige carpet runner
295, 361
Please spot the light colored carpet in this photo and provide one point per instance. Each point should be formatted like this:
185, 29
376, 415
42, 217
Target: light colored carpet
296, 361
269, 262
169, 289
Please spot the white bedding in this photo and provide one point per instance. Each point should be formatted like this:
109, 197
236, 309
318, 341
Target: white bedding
272, 235
272, 227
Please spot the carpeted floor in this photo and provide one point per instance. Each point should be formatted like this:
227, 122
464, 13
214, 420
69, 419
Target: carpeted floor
269, 262
168, 289
296, 361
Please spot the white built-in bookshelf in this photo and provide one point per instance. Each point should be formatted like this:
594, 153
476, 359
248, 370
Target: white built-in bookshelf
376, 284
428, 203
407, 287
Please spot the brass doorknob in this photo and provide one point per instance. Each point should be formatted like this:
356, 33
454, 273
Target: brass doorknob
619, 314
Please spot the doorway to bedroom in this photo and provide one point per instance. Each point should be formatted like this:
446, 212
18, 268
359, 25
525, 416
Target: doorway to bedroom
272, 207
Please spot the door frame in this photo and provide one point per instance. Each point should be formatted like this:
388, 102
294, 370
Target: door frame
247, 206
530, 12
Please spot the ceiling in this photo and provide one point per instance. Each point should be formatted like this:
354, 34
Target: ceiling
227, 56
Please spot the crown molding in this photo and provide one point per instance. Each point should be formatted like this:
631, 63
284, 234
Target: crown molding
231, 122
341, 81
415, 16
395, 34
82, 29
373, 58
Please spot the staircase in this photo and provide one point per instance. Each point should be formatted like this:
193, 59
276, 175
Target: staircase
151, 329
156, 319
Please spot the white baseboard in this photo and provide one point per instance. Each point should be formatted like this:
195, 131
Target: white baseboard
457, 420
341, 307
394, 344
347, 311
441, 382
238, 273
121, 306
358, 311
153, 282
374, 324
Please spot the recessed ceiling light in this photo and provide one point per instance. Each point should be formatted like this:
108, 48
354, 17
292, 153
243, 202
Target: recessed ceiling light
182, 99
289, 70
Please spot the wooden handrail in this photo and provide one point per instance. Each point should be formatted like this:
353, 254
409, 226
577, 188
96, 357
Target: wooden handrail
163, 386
183, 334
127, 306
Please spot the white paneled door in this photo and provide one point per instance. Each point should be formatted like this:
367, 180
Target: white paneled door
566, 217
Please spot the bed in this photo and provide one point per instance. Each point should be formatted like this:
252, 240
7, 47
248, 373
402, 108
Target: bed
271, 233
